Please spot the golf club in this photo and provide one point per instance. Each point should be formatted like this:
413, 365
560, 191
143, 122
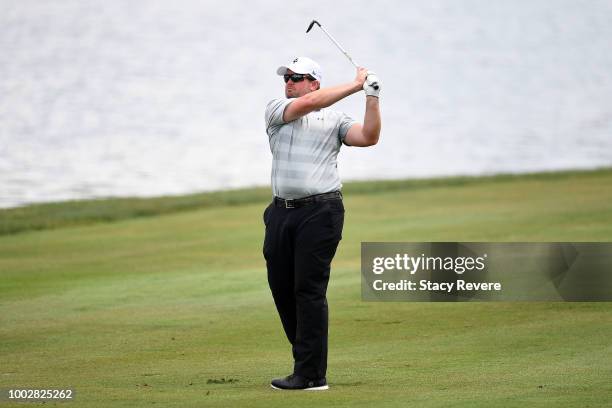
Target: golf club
374, 85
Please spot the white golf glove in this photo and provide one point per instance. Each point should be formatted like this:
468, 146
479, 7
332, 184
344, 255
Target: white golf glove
371, 86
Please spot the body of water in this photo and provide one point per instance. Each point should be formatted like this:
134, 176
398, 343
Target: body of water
143, 98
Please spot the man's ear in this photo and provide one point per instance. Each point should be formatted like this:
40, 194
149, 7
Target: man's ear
317, 85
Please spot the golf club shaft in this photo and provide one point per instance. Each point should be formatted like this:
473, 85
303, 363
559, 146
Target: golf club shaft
339, 47
375, 84
333, 40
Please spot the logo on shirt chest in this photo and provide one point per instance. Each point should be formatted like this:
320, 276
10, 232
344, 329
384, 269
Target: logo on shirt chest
315, 122
314, 118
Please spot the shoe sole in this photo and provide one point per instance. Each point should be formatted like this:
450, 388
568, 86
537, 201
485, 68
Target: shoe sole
321, 388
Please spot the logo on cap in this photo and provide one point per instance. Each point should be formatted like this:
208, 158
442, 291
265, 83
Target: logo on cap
295, 60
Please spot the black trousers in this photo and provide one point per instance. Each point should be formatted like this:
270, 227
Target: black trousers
299, 246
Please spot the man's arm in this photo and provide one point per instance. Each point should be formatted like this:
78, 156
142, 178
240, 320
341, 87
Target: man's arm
324, 97
367, 134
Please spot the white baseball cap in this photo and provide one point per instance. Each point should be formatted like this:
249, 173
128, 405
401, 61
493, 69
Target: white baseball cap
302, 65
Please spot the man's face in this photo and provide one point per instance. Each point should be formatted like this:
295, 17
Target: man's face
301, 88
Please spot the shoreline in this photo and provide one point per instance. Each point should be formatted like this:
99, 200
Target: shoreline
42, 216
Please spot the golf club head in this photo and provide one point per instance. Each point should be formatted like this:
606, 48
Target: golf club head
312, 24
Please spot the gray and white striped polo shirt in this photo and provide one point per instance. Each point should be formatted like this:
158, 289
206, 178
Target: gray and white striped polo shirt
304, 151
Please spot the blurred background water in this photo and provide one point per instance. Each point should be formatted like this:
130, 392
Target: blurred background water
143, 98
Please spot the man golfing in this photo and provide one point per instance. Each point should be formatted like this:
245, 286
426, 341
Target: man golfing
305, 219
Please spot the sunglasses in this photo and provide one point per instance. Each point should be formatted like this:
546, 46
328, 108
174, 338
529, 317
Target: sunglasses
297, 77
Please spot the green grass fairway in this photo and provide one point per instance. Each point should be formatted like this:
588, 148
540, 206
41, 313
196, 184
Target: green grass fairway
173, 310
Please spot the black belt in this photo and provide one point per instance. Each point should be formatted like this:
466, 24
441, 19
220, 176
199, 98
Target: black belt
301, 202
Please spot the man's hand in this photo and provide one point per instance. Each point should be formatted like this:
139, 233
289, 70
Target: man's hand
360, 78
371, 86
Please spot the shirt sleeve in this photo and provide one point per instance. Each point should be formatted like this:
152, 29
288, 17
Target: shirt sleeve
274, 113
345, 124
